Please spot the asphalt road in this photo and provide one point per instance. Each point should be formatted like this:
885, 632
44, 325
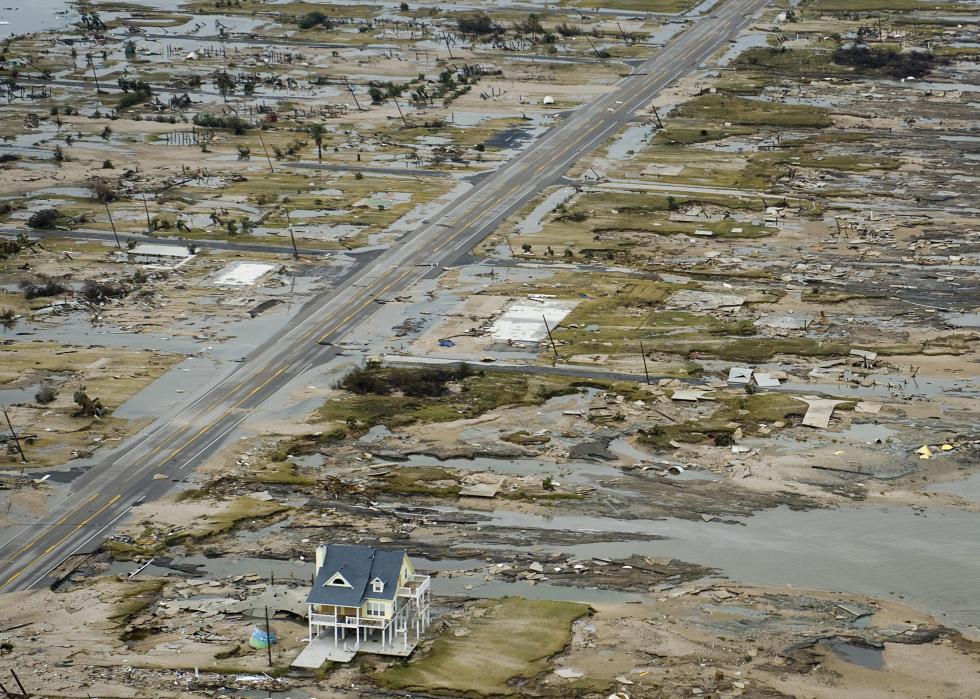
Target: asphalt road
182, 439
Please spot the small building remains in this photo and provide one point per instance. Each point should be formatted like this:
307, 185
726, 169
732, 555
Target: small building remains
364, 600
158, 255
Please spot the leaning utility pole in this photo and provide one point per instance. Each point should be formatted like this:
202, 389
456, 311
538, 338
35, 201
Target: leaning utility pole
351, 90
550, 337
112, 223
400, 113
643, 355
146, 210
271, 171
291, 236
13, 433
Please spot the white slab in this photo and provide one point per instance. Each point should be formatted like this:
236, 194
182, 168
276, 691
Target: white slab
525, 320
766, 380
739, 375
242, 273
820, 411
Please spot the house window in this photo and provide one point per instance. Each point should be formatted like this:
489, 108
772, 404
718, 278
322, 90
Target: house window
374, 609
377, 585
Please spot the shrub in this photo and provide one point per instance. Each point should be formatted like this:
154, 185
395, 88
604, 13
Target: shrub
97, 292
46, 287
477, 24
887, 60
46, 394
44, 218
232, 123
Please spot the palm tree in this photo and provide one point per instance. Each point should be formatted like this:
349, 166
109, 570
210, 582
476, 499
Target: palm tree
316, 133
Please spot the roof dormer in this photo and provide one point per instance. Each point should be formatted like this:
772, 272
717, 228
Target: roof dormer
337, 580
377, 585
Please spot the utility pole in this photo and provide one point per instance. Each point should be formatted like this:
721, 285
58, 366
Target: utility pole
592, 45
271, 171
351, 90
268, 635
625, 38
146, 209
291, 236
400, 113
94, 74
550, 337
659, 123
23, 459
112, 223
445, 36
643, 355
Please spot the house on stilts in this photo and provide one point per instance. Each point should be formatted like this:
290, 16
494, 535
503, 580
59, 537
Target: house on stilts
364, 600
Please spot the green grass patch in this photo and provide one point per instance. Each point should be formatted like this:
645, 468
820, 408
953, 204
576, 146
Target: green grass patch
747, 112
465, 395
509, 639
759, 407
852, 6
789, 60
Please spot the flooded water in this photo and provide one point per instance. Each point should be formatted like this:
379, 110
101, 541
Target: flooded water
968, 488
931, 560
39, 15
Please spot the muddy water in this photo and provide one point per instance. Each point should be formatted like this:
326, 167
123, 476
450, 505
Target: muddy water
931, 561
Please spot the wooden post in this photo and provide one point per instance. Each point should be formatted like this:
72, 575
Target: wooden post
94, 74
292, 238
592, 45
17, 680
268, 635
659, 123
146, 209
625, 38
553, 347
446, 37
643, 354
351, 90
112, 223
271, 171
400, 113
23, 459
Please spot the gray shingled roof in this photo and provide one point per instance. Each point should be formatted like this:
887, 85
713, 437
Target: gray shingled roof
359, 565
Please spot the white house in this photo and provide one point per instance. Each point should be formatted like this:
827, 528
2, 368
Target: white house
364, 599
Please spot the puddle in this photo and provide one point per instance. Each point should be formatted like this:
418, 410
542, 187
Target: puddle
742, 44
534, 221
871, 658
375, 434
16, 396
630, 142
968, 488
868, 432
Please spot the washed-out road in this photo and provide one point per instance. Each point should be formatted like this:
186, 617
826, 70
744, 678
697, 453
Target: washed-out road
180, 440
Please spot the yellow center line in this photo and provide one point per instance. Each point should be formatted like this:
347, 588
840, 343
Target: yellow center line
56, 524
60, 541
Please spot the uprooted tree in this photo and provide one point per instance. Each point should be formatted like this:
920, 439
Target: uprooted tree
88, 407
